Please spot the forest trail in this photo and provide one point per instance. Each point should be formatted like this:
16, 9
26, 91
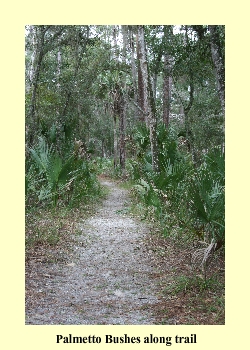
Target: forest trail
110, 280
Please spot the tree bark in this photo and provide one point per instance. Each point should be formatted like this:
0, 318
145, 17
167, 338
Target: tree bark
147, 102
122, 139
142, 76
116, 47
119, 138
133, 67
167, 80
167, 86
123, 104
118, 109
41, 47
218, 60
33, 55
115, 142
38, 42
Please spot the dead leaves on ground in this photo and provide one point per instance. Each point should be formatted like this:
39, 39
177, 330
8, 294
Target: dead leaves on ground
185, 297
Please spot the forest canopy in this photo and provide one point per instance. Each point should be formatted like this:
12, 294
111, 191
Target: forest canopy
150, 99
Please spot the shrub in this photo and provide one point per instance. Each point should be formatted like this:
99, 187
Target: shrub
181, 194
206, 196
50, 178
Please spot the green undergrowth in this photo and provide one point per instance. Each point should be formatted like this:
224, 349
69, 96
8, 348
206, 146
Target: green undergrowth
188, 296
194, 283
61, 188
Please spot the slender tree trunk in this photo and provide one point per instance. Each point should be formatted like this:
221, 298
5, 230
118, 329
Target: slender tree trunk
157, 70
59, 64
58, 85
33, 55
115, 141
40, 49
124, 41
218, 61
133, 67
123, 104
71, 92
103, 148
34, 88
38, 41
142, 76
167, 86
141, 97
116, 100
116, 47
187, 108
152, 128
147, 102
38, 57
167, 80
122, 139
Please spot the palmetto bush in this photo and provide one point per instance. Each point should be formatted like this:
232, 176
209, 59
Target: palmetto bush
180, 194
163, 191
49, 177
206, 197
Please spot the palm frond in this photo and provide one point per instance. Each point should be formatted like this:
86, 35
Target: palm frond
202, 257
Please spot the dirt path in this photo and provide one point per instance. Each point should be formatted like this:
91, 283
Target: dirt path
110, 280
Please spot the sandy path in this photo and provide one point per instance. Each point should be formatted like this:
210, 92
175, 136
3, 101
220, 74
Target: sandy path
110, 280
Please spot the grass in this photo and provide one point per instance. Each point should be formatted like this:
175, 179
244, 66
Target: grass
196, 283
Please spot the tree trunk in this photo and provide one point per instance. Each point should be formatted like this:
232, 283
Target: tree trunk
218, 61
33, 55
58, 85
167, 86
41, 47
167, 80
38, 41
147, 102
152, 128
115, 142
122, 139
123, 104
142, 76
116, 47
133, 67
103, 148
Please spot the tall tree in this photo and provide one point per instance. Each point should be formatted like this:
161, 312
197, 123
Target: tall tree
38, 42
167, 80
123, 102
146, 98
132, 59
217, 47
66, 65
117, 97
44, 39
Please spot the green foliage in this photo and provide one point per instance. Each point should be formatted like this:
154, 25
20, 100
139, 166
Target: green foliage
49, 177
181, 194
76, 87
185, 284
206, 197
141, 138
